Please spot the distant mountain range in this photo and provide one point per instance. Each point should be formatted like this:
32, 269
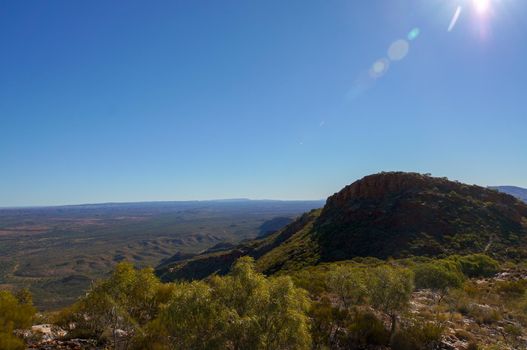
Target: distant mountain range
517, 192
383, 215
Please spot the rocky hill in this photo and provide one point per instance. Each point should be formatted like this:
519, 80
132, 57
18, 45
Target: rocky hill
383, 215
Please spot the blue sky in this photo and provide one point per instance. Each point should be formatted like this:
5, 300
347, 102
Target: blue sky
171, 100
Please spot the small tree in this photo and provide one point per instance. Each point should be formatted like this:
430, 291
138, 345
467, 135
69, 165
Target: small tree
348, 283
389, 291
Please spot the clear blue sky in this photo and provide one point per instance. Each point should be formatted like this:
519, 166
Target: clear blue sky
164, 100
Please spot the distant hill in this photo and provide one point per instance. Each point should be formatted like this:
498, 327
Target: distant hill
383, 215
518, 192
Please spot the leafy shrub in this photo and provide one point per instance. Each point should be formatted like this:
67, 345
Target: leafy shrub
14, 314
439, 276
243, 310
478, 265
126, 301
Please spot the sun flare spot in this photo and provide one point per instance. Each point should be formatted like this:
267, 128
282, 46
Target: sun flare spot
481, 6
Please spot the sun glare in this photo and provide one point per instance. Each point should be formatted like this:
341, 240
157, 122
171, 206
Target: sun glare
481, 6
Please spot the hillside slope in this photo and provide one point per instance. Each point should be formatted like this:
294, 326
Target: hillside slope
518, 192
383, 215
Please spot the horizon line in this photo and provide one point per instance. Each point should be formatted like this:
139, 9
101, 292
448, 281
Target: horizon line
41, 206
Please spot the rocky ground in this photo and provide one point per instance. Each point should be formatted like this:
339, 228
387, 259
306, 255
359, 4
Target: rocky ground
482, 319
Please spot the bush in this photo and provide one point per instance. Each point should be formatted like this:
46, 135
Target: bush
243, 310
14, 314
367, 329
126, 301
478, 265
439, 276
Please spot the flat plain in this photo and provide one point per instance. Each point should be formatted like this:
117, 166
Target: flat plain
57, 252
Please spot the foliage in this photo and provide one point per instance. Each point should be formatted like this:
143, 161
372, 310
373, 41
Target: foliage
417, 336
439, 276
477, 265
242, 310
124, 302
14, 314
389, 290
327, 321
358, 304
366, 329
348, 283
193, 319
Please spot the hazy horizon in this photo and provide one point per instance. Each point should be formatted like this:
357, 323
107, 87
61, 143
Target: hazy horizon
205, 199
124, 102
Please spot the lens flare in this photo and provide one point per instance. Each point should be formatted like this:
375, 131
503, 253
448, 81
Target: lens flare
414, 33
398, 50
454, 19
379, 68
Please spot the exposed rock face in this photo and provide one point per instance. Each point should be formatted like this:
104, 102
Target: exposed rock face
383, 185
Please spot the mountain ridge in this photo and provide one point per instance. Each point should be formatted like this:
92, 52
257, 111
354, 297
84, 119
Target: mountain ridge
390, 214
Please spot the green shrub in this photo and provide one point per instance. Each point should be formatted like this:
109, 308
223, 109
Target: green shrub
14, 314
478, 265
243, 310
128, 300
439, 276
